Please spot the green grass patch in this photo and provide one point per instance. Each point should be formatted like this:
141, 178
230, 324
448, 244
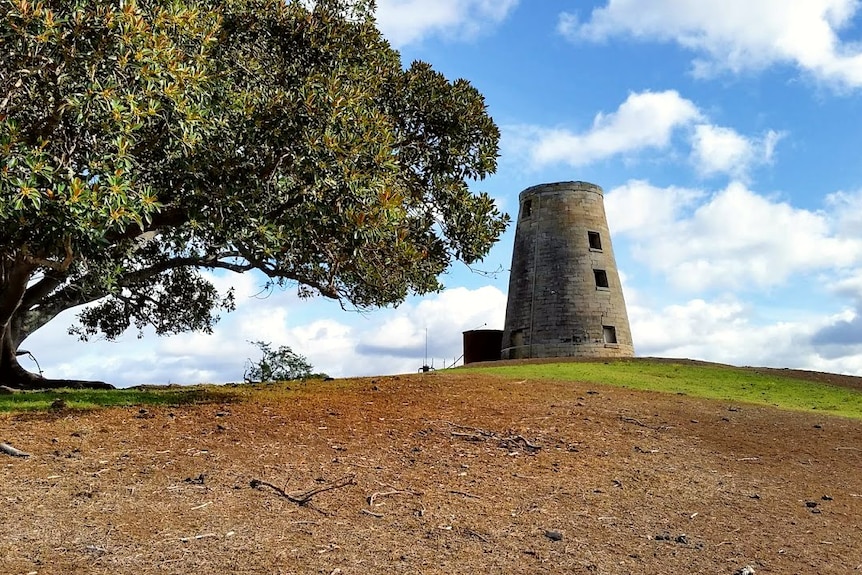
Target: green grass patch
94, 398
706, 381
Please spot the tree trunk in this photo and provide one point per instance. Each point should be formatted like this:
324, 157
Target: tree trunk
16, 377
15, 276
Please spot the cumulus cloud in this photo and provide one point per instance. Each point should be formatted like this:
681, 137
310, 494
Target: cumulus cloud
843, 335
409, 21
644, 121
638, 206
736, 35
731, 239
719, 150
379, 342
722, 331
445, 317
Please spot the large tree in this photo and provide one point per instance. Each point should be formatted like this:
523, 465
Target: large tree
145, 141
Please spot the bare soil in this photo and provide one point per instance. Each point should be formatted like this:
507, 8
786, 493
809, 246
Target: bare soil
436, 473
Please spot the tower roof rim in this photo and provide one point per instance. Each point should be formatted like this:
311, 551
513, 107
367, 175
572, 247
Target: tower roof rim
571, 186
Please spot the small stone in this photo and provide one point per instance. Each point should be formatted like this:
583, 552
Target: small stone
747, 570
826, 498
553, 535
811, 504
682, 539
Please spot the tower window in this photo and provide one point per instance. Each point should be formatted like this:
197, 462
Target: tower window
595, 241
609, 333
527, 209
601, 279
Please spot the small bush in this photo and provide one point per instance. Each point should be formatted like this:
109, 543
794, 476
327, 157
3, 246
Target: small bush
282, 364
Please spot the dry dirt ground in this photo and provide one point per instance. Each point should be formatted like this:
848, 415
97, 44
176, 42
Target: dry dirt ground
438, 473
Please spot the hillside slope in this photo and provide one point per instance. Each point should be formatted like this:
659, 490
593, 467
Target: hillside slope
450, 472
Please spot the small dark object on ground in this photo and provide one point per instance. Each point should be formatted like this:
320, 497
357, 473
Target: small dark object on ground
553, 535
9, 450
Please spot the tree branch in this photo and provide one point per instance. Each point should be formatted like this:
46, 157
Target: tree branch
46, 263
43, 306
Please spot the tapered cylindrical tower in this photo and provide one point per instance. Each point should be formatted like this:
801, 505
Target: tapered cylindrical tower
565, 297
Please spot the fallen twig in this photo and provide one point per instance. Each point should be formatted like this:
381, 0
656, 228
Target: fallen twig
642, 424
476, 534
465, 494
204, 536
372, 513
371, 498
9, 450
305, 497
480, 435
635, 421
507, 442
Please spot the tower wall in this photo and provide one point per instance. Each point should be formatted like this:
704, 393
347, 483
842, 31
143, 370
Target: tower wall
565, 297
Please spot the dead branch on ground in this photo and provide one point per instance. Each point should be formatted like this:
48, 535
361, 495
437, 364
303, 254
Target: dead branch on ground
642, 424
505, 442
9, 450
305, 496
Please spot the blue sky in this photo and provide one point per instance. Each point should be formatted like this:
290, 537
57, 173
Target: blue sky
725, 133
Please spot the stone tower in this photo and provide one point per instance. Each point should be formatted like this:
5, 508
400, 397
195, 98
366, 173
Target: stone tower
565, 297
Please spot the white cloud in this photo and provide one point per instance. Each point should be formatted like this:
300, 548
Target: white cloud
733, 239
638, 206
722, 331
445, 316
409, 21
847, 210
719, 150
381, 342
736, 35
645, 120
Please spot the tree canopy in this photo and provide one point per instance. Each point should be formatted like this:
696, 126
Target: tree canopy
143, 142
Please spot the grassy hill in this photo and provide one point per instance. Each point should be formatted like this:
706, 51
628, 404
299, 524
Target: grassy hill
784, 389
